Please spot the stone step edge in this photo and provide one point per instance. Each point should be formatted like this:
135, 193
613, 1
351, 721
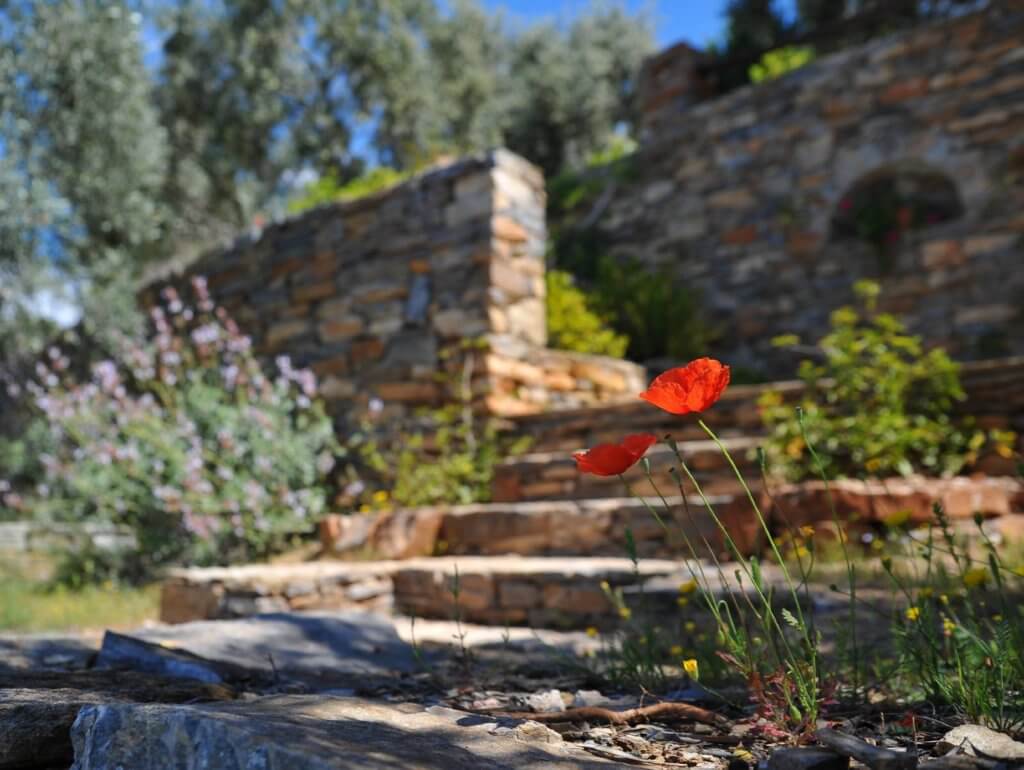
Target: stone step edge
688, 448
567, 527
224, 592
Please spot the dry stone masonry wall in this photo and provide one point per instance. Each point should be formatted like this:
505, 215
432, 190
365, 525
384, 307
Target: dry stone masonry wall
739, 196
374, 295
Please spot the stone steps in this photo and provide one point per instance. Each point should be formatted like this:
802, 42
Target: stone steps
553, 476
552, 592
594, 527
735, 414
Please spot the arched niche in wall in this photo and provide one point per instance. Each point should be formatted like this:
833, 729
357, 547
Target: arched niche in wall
882, 207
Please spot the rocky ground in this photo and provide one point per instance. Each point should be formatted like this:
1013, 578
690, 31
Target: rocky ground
350, 689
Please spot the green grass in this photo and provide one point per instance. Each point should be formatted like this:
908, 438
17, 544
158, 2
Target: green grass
28, 603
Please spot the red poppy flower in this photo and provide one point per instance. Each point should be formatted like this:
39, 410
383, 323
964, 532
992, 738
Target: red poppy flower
613, 459
690, 388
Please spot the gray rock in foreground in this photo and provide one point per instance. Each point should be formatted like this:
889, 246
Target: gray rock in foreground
329, 649
312, 733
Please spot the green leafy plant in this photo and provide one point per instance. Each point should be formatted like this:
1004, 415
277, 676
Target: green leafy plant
877, 404
328, 189
659, 317
449, 456
182, 439
960, 636
775, 64
573, 324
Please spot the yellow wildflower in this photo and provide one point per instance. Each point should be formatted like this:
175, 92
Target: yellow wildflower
897, 518
795, 448
801, 552
944, 599
592, 632
926, 592
690, 667
682, 601
913, 613
872, 465
807, 530
688, 587
997, 618
948, 626
976, 576
676, 651
625, 613
380, 496
690, 626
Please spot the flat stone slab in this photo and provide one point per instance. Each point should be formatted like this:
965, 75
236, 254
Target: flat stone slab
47, 651
322, 649
313, 733
231, 592
37, 708
539, 591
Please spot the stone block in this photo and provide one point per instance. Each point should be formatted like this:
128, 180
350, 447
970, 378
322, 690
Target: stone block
518, 594
366, 350
183, 601
282, 331
507, 229
314, 291
410, 392
339, 329
577, 599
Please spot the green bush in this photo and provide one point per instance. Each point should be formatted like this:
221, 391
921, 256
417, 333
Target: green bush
328, 189
182, 439
573, 324
877, 405
447, 457
775, 64
660, 318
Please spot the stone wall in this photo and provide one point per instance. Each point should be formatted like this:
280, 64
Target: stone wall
737, 196
379, 296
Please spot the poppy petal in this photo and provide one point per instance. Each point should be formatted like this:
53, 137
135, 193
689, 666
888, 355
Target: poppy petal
690, 388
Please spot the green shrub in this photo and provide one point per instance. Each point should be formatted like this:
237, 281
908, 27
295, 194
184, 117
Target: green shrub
447, 457
182, 439
573, 324
328, 189
775, 64
878, 404
660, 318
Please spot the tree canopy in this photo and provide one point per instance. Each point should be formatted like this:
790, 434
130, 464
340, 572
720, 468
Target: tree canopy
138, 132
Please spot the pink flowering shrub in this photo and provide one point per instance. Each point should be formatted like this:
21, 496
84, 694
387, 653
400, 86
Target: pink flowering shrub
183, 439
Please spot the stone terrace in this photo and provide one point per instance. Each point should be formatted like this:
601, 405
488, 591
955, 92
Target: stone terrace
737, 194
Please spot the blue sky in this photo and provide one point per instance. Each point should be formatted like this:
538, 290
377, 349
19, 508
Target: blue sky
696, 21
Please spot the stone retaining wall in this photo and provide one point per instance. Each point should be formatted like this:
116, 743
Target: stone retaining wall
737, 196
381, 295
994, 389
